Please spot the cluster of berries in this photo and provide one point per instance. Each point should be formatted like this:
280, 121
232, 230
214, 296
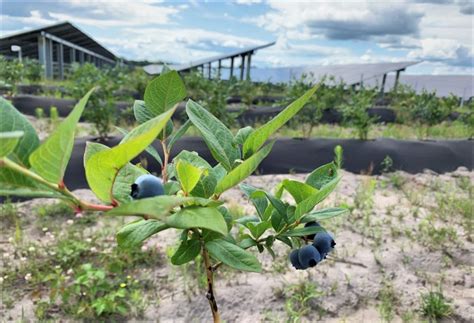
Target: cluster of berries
310, 255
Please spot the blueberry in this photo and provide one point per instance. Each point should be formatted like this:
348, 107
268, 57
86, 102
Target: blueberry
324, 242
311, 224
294, 259
308, 256
147, 186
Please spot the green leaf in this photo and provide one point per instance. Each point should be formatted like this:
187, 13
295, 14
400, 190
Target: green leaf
102, 167
233, 256
178, 134
299, 191
244, 170
309, 203
259, 202
218, 138
257, 229
134, 233
150, 149
242, 135
12, 120
159, 207
164, 92
50, 159
198, 217
322, 175
141, 113
206, 186
125, 177
256, 139
277, 219
187, 251
324, 214
188, 175
7, 190
299, 232
279, 206
8, 141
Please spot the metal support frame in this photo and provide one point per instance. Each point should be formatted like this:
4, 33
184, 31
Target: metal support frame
231, 67
209, 70
219, 67
60, 58
242, 67
81, 57
397, 76
249, 59
71, 45
382, 87
72, 55
45, 55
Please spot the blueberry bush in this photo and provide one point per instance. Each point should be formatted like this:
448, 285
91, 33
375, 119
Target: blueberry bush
187, 197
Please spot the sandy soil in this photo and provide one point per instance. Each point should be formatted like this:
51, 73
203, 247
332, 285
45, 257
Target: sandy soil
392, 241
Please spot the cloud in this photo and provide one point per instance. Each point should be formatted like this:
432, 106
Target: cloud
176, 45
444, 50
248, 2
341, 21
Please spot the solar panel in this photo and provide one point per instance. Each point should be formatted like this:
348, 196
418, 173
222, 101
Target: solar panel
444, 85
348, 73
156, 69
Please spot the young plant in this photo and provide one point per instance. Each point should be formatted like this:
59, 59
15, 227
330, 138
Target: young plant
188, 196
355, 112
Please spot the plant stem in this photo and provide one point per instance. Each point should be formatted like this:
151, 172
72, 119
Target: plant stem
166, 156
60, 188
210, 286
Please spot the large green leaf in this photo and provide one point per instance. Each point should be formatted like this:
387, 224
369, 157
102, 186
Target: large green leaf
178, 134
50, 159
243, 134
150, 149
218, 138
206, 186
164, 92
187, 251
257, 138
244, 170
322, 175
188, 175
198, 217
324, 214
233, 255
134, 233
309, 203
159, 207
12, 120
8, 141
16, 184
102, 167
125, 177
299, 191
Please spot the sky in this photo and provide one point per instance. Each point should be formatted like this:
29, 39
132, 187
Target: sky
437, 32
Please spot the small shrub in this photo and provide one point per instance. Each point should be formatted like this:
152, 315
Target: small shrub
435, 306
355, 112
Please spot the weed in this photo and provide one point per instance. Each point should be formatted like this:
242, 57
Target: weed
298, 299
434, 305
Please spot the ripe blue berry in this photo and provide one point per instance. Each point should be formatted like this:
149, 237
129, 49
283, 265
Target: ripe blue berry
147, 186
308, 256
294, 259
324, 242
311, 224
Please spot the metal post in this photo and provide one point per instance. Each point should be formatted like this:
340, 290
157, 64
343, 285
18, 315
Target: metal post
209, 70
249, 58
72, 55
242, 67
81, 57
49, 58
231, 67
219, 66
42, 53
382, 87
60, 53
396, 81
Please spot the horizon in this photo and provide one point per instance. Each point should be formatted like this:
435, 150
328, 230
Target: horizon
438, 33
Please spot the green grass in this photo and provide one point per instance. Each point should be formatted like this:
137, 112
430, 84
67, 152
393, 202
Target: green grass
434, 306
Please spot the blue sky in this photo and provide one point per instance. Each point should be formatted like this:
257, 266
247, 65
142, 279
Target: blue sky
437, 32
